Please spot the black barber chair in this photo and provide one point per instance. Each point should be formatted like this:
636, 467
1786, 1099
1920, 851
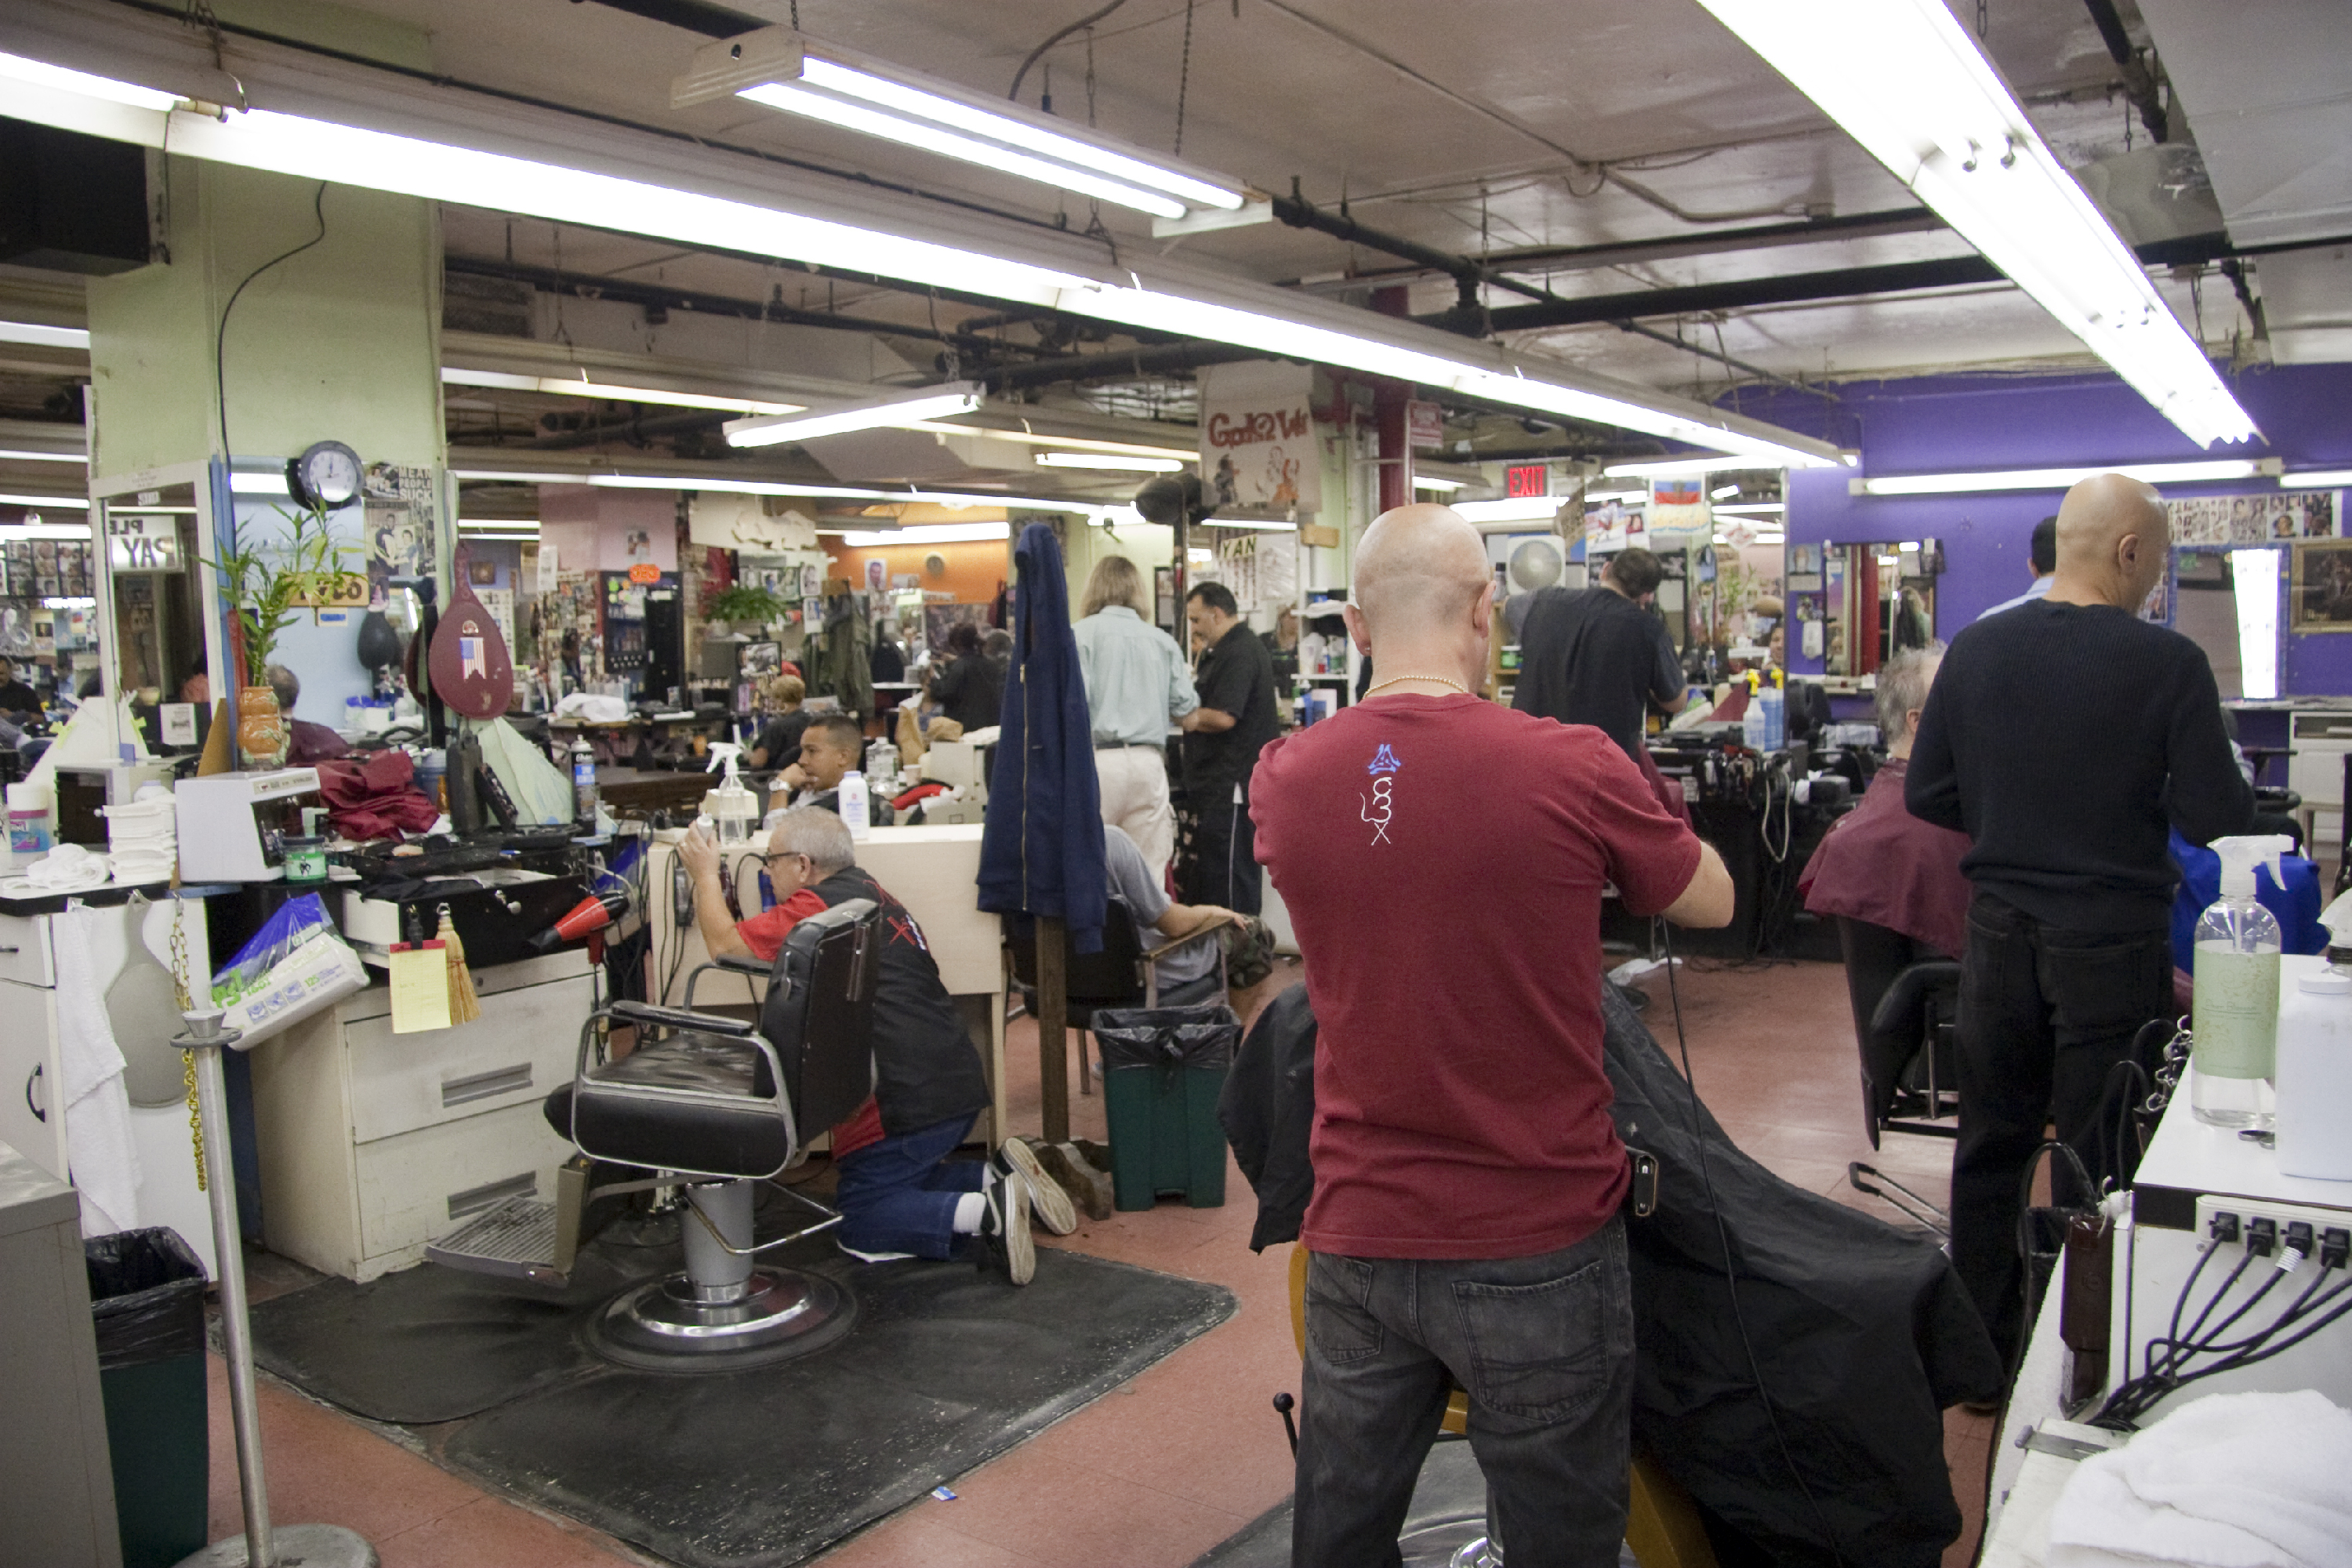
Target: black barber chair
1905, 1001
716, 1106
1119, 977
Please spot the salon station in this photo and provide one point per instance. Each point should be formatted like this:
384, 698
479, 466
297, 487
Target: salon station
663, 671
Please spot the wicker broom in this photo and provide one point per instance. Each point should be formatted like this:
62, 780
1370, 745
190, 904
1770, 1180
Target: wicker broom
465, 1002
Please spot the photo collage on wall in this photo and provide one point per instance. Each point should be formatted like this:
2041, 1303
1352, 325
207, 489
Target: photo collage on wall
2229, 522
45, 569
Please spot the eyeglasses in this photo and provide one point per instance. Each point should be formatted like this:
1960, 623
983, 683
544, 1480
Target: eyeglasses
768, 860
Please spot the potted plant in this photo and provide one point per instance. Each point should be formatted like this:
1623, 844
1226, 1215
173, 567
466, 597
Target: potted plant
743, 602
270, 586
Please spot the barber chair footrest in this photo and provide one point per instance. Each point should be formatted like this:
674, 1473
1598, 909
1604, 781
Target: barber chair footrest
514, 1240
660, 1326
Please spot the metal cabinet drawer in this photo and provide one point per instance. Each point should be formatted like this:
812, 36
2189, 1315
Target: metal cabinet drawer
522, 1046
25, 950
424, 1184
31, 1120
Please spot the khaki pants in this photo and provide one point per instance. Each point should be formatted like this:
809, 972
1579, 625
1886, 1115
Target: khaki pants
1134, 785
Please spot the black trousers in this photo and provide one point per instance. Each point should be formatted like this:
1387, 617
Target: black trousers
1219, 865
2045, 1015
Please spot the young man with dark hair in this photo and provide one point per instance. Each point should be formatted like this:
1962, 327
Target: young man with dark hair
831, 747
2041, 555
1598, 655
1223, 738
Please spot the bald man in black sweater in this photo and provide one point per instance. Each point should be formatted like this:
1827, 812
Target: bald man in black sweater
2063, 737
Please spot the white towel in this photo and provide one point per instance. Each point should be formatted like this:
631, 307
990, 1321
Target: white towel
99, 1154
2230, 1480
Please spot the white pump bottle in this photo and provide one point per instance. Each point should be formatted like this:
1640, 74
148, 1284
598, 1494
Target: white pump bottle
2314, 1061
2234, 1019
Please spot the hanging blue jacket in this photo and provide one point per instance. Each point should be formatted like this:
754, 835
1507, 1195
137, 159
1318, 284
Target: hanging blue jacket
1041, 849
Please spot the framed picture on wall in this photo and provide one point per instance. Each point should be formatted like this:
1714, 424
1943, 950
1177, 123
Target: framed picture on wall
2321, 598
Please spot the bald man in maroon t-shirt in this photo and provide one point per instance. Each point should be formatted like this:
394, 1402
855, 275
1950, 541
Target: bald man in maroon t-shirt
1442, 861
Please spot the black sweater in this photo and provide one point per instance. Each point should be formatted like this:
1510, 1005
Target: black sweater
2061, 739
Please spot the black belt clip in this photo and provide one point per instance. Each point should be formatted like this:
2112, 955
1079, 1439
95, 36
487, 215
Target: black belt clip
1641, 1195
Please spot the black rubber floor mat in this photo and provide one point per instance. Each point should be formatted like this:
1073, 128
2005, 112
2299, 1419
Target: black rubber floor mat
947, 1366
432, 1345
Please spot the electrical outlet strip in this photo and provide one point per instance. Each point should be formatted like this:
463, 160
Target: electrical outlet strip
2233, 1222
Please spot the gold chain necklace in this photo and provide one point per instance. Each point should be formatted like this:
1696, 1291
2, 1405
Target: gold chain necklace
1436, 680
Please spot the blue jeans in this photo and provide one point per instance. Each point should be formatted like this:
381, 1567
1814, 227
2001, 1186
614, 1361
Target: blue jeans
899, 1195
1545, 1347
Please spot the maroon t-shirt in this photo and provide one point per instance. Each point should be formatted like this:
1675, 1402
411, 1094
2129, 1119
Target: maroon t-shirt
1442, 861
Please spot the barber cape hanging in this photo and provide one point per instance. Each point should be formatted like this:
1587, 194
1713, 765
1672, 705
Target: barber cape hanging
469, 665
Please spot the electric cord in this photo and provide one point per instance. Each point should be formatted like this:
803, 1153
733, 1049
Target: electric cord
2308, 1313
220, 336
1730, 1269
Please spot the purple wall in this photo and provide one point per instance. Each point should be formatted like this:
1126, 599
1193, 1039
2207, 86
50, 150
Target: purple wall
1948, 424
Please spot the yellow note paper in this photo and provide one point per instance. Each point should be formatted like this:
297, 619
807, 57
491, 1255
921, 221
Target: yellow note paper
420, 988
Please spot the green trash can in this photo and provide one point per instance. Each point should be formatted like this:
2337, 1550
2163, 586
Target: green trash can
147, 1295
1163, 1069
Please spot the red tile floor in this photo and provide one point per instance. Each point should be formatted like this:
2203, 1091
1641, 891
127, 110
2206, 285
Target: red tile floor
1162, 1468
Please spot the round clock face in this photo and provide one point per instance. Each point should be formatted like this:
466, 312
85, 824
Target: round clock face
328, 474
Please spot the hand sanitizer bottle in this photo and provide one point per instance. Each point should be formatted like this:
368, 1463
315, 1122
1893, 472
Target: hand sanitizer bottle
2314, 1061
856, 813
2234, 1018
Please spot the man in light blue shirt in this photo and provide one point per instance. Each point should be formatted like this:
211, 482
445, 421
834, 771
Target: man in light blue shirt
2043, 558
1137, 685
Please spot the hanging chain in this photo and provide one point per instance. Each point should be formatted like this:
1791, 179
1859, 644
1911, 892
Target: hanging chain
1984, 17
187, 1058
796, 16
1184, 76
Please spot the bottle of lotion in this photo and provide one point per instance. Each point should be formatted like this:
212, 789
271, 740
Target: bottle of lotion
2314, 1061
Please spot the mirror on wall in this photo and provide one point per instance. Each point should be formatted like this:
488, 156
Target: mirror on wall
1857, 605
152, 651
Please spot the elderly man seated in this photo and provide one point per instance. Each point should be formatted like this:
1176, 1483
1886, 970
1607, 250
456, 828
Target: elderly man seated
1188, 976
901, 1194
1880, 863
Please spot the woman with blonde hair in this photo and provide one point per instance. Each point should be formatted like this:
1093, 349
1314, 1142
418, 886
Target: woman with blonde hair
780, 740
1138, 684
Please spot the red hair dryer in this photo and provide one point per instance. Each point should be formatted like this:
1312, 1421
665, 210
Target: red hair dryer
585, 919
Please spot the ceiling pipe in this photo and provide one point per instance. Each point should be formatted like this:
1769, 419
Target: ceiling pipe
2140, 82
1139, 362
694, 16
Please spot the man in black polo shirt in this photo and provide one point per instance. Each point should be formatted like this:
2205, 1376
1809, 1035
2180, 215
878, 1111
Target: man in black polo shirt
1223, 737
1597, 656
2063, 737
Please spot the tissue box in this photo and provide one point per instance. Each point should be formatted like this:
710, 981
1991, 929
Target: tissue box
319, 973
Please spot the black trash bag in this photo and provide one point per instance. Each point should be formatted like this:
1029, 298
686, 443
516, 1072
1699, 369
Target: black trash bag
1202, 1037
146, 1297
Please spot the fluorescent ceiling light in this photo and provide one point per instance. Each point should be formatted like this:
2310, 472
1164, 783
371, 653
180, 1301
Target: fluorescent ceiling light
931, 402
1723, 492
487, 536
41, 334
925, 533
1681, 468
778, 68
567, 387
528, 524
563, 192
45, 531
1753, 508
2315, 480
1515, 509
1602, 498
247, 482
1903, 78
51, 503
1108, 463
1096, 510
1911, 546
2062, 479
1073, 443
1442, 487
1255, 524
18, 456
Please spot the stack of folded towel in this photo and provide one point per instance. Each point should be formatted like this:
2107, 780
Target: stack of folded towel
143, 837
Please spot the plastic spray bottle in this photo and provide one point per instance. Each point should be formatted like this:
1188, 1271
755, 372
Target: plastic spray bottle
2314, 1061
732, 807
2234, 1019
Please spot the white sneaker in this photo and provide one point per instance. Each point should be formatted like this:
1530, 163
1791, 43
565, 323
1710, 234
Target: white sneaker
1005, 1226
1053, 1209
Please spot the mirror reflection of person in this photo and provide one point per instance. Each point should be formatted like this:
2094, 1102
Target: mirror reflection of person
779, 746
306, 741
18, 701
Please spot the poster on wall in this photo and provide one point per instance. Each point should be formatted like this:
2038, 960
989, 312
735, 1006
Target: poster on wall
1679, 511
1258, 451
2321, 598
2223, 521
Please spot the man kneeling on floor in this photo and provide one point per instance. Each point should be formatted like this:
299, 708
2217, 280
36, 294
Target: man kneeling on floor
901, 1194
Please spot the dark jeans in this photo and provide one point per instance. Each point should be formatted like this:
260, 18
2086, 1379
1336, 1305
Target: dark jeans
900, 1194
1220, 863
1545, 1347
2045, 1015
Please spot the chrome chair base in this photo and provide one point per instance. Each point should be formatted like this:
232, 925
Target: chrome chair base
661, 1326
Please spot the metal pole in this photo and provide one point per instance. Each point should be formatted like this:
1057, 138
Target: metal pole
212, 1106
1053, 1030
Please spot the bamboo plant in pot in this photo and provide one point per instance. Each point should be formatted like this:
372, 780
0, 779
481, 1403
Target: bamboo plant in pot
271, 585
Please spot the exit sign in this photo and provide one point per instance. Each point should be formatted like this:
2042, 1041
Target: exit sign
1527, 480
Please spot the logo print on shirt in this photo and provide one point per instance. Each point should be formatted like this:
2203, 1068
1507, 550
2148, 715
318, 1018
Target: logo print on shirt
1384, 768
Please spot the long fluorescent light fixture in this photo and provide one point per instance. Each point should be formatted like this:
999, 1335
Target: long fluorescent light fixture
2254, 580
2316, 479
1096, 510
780, 69
1904, 79
503, 524
1189, 304
21, 457
1680, 467
2063, 479
42, 335
1070, 443
1723, 492
1439, 487
924, 534
49, 503
1106, 462
1753, 508
931, 402
567, 388
1254, 524
1513, 509
58, 530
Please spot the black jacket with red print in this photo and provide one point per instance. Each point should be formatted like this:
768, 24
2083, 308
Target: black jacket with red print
925, 1069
